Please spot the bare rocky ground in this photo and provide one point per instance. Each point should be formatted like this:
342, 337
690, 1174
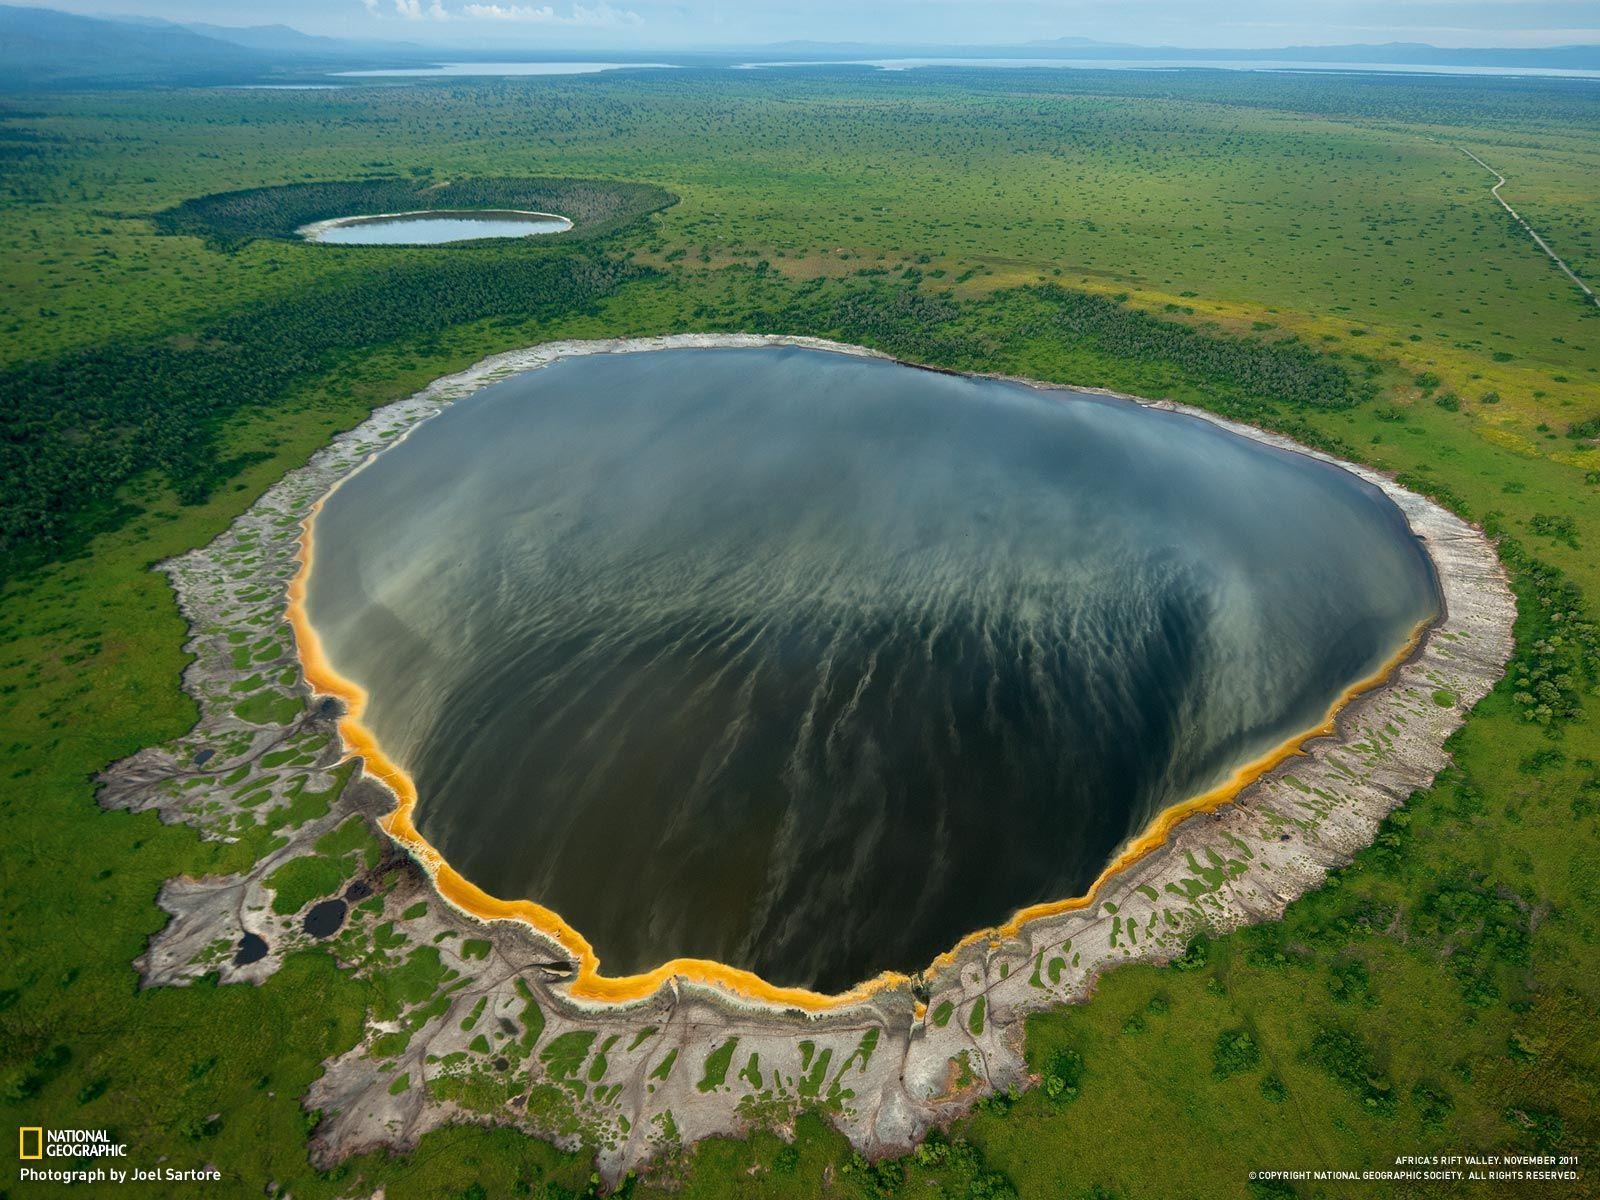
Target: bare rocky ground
473, 1021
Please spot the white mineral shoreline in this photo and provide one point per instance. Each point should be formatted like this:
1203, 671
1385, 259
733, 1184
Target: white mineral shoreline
1244, 862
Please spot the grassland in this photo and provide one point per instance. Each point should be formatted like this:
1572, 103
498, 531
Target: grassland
1439, 997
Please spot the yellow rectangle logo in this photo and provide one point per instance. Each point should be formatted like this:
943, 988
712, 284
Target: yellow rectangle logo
38, 1141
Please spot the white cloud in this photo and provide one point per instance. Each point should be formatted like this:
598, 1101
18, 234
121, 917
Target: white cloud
412, 10
601, 14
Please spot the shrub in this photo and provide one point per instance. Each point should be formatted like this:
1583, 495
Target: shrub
1544, 1126
1234, 1052
1348, 1061
1063, 1076
1195, 955
1433, 1104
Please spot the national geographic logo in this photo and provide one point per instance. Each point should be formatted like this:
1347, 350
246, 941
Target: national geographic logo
71, 1156
74, 1146
34, 1142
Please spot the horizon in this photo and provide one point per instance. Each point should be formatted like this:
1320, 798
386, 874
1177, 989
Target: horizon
642, 25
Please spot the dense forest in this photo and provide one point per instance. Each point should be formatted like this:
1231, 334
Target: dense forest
76, 428
228, 219
1257, 371
1265, 379
73, 430
1443, 100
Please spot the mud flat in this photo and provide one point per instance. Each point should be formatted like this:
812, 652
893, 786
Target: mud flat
508, 1036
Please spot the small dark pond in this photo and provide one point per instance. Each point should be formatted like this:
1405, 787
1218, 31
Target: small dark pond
252, 948
325, 918
814, 664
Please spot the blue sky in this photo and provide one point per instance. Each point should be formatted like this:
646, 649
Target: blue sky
642, 23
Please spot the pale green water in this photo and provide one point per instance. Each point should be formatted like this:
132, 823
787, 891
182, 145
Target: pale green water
426, 229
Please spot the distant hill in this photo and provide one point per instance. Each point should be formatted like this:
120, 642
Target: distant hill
42, 47
270, 39
1566, 58
282, 40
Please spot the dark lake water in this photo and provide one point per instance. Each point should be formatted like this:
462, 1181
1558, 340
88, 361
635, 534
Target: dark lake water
814, 664
433, 228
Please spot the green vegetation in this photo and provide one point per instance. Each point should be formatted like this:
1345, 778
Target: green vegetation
1063, 1075
1311, 253
716, 1066
1345, 1058
975, 1016
565, 1054
302, 880
79, 428
1234, 1053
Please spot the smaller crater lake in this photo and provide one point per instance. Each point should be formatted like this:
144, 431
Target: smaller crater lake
814, 664
432, 228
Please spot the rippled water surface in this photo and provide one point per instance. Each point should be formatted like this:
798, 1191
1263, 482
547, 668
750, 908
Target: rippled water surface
432, 228
814, 664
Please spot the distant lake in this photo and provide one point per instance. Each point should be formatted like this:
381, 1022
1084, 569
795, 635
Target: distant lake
1178, 64
431, 228
814, 664
498, 68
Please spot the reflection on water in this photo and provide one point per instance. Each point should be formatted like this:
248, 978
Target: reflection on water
813, 664
430, 228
